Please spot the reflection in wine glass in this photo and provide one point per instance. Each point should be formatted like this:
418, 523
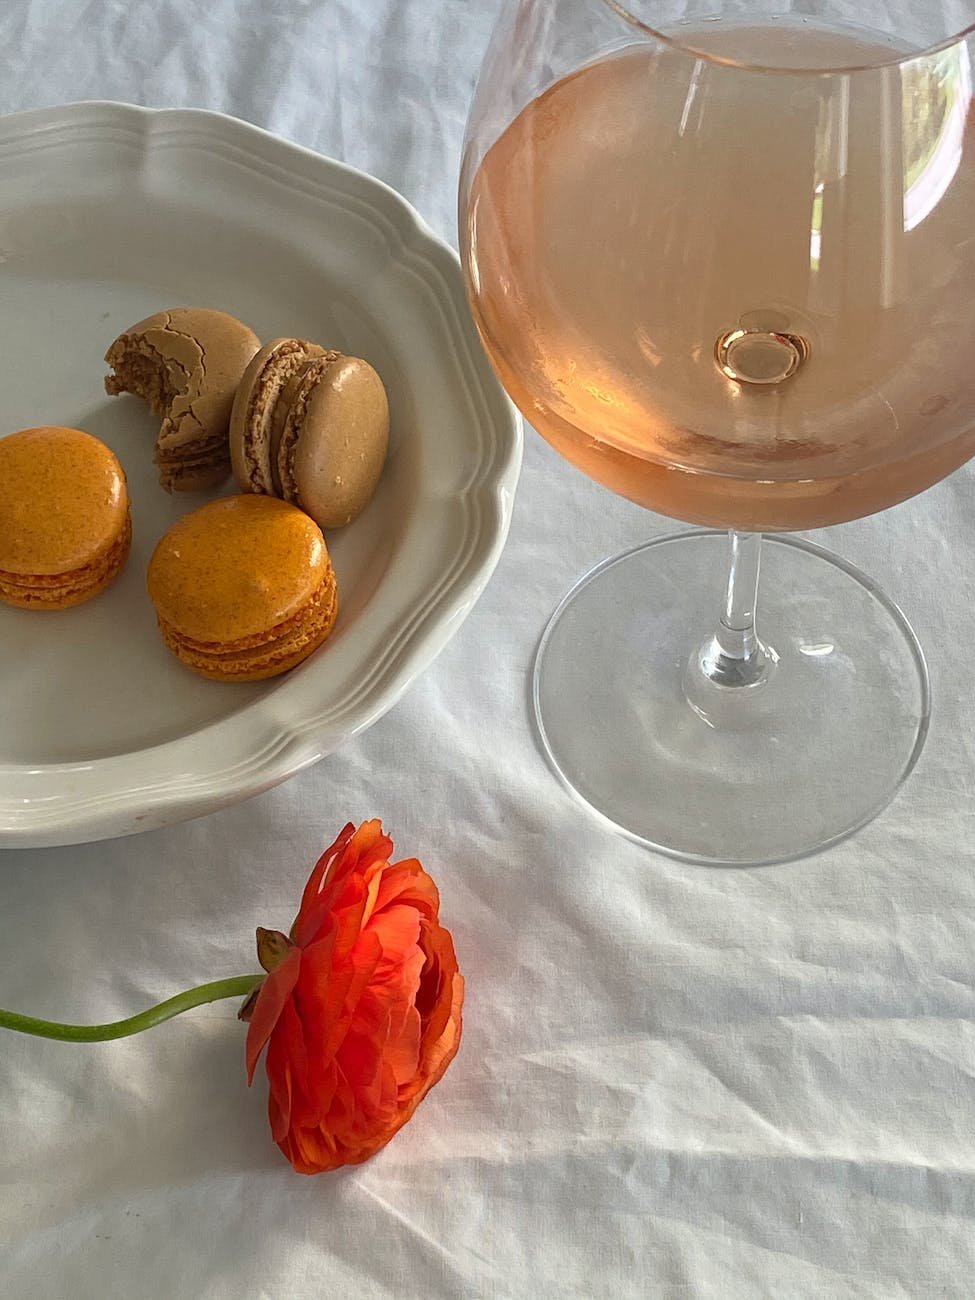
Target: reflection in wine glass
937, 97
725, 264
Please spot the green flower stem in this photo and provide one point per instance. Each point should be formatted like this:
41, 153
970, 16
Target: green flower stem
238, 986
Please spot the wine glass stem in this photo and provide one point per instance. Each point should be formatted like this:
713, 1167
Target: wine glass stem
733, 656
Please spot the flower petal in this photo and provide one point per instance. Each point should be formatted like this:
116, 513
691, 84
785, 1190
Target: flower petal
271, 1000
321, 866
406, 882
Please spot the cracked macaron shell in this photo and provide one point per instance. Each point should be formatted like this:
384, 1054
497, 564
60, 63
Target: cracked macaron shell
258, 397
331, 446
63, 501
237, 567
187, 363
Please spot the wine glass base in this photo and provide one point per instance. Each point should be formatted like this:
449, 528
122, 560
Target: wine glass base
769, 773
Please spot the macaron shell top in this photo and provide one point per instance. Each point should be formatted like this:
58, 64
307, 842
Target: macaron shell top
63, 501
254, 407
334, 441
236, 567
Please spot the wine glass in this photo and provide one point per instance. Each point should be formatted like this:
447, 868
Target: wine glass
722, 256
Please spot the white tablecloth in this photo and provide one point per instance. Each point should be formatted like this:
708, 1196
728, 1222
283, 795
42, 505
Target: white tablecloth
673, 1081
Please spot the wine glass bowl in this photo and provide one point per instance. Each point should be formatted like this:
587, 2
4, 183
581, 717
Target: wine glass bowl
726, 266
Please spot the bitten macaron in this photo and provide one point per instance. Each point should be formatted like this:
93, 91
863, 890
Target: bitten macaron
186, 363
243, 588
311, 426
65, 525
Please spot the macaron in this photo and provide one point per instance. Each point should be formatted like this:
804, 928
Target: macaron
65, 525
311, 426
186, 363
243, 588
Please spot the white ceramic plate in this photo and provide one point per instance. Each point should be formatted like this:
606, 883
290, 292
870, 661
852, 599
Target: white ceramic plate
108, 213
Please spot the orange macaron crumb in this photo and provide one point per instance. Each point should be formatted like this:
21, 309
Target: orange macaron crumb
65, 524
243, 588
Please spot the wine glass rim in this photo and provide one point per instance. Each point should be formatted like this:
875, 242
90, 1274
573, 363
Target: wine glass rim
743, 65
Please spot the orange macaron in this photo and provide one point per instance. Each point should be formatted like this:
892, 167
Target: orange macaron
243, 588
65, 526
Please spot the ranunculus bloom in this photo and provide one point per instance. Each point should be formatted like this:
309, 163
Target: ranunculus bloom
361, 1007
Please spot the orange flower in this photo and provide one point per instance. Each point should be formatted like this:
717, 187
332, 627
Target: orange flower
361, 1007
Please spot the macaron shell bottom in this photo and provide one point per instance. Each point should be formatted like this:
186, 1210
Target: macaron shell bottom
63, 590
193, 474
330, 449
255, 658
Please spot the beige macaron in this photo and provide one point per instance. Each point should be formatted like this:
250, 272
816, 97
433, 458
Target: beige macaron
186, 363
311, 426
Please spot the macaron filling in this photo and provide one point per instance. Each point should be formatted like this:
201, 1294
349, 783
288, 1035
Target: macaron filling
264, 654
140, 369
61, 590
255, 406
291, 427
